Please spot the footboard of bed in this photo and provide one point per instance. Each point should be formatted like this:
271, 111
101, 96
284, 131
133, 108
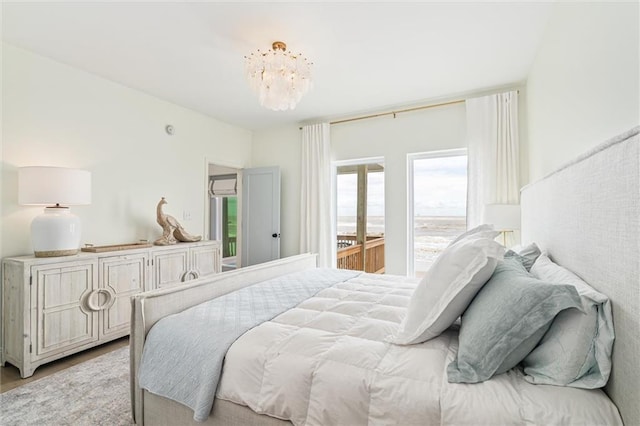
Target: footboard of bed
149, 307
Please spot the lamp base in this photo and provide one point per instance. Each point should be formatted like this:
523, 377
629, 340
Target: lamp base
55, 253
56, 232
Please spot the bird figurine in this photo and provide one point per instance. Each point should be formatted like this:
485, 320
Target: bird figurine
172, 231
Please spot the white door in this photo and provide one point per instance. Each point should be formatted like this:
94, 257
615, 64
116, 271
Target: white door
260, 215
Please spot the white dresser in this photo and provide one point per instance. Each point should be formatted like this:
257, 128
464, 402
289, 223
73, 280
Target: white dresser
53, 307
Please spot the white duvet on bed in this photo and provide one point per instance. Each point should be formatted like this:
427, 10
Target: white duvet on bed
327, 362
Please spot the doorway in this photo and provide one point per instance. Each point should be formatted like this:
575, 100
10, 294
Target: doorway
243, 212
224, 215
360, 216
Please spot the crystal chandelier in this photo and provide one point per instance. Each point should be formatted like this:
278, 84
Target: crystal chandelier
280, 78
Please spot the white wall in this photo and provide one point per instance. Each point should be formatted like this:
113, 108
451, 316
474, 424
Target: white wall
583, 87
57, 115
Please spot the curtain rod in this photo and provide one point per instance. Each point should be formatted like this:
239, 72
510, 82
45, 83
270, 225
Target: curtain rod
382, 114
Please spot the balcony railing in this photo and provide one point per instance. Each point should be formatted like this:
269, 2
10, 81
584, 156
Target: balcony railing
350, 256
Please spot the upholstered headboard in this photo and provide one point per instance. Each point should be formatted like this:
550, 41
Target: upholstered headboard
586, 216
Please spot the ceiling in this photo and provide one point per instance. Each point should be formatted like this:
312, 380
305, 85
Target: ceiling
368, 56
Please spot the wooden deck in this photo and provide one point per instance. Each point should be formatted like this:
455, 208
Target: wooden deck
369, 258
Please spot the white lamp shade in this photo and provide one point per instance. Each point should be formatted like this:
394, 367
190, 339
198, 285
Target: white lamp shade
504, 217
53, 185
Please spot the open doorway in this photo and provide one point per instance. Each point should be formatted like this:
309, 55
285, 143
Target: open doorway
224, 214
242, 211
360, 215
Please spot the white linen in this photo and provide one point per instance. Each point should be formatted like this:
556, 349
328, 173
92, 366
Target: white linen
480, 231
576, 351
181, 361
493, 153
448, 287
328, 362
315, 194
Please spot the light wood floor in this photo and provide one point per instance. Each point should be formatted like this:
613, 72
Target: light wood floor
10, 375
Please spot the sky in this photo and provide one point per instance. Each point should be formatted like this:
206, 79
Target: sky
440, 189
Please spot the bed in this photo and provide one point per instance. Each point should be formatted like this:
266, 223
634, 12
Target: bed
584, 216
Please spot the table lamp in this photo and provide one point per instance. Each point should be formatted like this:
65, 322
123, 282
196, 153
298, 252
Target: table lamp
56, 232
504, 217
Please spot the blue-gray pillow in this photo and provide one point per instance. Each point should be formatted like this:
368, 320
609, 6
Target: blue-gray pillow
576, 351
527, 255
505, 321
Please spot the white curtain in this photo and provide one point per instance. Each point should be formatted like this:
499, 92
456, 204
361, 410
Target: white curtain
493, 153
315, 194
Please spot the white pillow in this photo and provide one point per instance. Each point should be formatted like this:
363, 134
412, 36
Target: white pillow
447, 288
481, 231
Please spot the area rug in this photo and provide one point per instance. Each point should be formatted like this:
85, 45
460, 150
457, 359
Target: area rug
95, 392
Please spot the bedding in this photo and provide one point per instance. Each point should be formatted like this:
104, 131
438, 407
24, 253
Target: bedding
183, 353
448, 287
481, 231
576, 351
506, 320
329, 361
525, 255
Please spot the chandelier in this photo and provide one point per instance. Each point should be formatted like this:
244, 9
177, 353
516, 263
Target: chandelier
278, 77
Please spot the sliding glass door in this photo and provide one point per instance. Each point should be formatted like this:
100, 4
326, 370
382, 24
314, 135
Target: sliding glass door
360, 215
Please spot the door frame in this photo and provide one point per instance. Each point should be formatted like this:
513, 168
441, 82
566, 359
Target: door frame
334, 199
207, 210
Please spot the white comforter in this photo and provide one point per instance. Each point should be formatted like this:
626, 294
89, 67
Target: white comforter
327, 362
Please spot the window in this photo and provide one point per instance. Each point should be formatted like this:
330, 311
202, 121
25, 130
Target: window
437, 205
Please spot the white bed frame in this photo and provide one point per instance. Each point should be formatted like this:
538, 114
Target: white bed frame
585, 215
148, 308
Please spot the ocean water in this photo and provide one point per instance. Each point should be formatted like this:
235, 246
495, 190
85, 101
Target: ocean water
432, 234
